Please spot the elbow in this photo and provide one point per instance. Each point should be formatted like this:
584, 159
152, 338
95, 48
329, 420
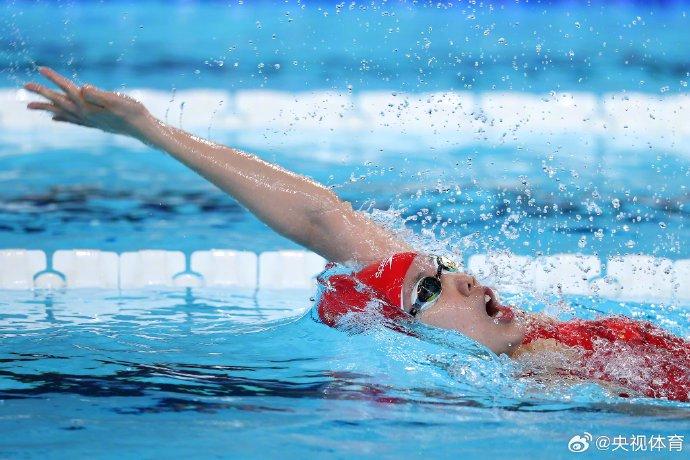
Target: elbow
328, 218
328, 205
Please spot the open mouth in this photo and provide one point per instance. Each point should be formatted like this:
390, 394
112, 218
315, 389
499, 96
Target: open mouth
490, 301
495, 310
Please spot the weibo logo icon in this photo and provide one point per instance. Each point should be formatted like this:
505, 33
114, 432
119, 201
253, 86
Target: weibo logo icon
579, 443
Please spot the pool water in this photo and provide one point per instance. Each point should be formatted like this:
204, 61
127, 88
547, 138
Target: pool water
209, 373
245, 374
133, 200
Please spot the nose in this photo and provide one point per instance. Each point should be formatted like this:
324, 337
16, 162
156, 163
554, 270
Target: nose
464, 283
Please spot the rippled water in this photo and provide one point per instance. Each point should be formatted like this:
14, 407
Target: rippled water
214, 372
132, 200
584, 195
535, 47
235, 373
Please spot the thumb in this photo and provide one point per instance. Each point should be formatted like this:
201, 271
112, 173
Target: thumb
94, 95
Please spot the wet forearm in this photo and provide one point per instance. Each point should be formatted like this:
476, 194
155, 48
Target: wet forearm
297, 207
289, 203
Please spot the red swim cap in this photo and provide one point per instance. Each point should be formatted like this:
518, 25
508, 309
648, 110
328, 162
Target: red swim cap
380, 281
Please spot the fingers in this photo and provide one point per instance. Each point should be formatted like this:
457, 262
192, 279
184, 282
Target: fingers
58, 113
42, 91
46, 106
95, 96
74, 97
63, 83
65, 118
53, 96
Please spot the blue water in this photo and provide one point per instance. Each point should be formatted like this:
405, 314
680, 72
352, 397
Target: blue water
545, 46
609, 201
234, 374
209, 374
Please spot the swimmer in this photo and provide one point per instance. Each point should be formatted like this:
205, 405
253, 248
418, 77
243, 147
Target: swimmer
391, 278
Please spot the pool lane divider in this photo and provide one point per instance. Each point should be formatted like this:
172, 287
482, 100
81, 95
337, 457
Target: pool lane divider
580, 122
640, 278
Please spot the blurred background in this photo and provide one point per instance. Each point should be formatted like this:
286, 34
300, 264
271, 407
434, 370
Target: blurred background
533, 127
537, 127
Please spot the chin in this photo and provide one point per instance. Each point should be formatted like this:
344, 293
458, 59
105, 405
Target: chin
510, 342
510, 349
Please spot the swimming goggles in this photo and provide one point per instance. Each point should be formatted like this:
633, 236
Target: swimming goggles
428, 289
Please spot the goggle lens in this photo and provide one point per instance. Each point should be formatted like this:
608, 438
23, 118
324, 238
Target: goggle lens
428, 289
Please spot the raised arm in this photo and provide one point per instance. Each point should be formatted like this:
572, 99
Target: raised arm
292, 205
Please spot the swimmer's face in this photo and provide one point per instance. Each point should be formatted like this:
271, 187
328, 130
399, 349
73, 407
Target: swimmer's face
463, 306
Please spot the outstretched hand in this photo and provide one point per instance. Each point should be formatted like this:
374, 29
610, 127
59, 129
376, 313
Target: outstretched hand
295, 206
88, 105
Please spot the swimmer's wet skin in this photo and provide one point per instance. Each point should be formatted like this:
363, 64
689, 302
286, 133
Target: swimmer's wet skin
395, 282
593, 348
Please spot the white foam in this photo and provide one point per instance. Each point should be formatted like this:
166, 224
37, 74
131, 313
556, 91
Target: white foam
289, 269
566, 273
19, 266
226, 268
150, 268
88, 268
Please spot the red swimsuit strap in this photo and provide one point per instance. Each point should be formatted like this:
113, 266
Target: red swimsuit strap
581, 333
668, 355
